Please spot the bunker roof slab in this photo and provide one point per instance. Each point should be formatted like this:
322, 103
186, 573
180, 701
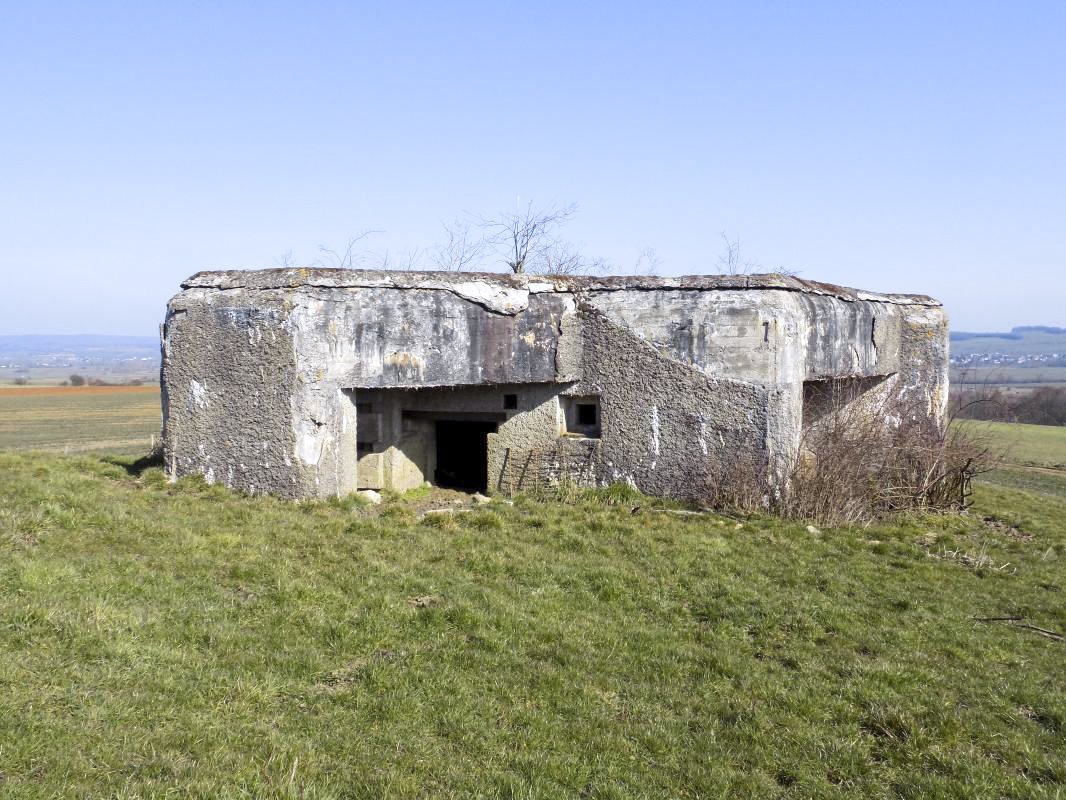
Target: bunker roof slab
482, 285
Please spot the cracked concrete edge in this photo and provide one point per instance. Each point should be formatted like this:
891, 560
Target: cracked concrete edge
506, 293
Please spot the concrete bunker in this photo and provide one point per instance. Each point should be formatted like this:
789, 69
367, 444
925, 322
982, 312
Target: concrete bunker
312, 383
407, 437
460, 437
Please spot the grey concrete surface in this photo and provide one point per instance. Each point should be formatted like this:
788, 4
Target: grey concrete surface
315, 382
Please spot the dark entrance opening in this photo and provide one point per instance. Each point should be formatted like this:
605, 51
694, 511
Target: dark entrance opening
463, 454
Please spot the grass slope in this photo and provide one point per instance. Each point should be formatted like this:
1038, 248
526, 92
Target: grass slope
161, 638
1029, 445
1035, 456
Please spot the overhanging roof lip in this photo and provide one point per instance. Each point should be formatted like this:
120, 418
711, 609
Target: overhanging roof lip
318, 277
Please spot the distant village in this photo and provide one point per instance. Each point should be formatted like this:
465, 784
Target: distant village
1023, 346
29, 360
1009, 360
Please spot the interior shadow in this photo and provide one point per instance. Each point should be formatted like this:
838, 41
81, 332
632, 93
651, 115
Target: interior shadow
463, 454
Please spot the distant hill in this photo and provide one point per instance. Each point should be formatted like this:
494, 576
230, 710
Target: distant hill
1029, 344
77, 350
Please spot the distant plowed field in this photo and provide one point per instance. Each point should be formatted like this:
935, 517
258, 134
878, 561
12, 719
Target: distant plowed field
98, 419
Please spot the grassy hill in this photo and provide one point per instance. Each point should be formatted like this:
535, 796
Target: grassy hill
1028, 445
180, 638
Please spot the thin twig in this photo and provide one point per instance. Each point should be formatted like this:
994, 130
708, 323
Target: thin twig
1016, 622
1058, 637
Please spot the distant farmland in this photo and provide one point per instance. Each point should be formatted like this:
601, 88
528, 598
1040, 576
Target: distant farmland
1009, 377
91, 419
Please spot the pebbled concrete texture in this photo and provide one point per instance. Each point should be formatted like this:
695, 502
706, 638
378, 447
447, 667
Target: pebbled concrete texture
667, 428
312, 383
229, 370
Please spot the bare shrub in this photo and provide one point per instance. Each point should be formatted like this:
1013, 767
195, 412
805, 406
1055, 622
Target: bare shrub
862, 455
1043, 406
527, 236
986, 400
743, 484
463, 249
351, 256
77, 380
526, 241
863, 459
731, 261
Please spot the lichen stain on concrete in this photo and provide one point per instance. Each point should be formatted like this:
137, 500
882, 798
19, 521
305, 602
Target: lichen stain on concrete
405, 365
316, 382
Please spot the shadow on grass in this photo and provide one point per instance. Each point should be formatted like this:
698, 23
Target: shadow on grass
138, 466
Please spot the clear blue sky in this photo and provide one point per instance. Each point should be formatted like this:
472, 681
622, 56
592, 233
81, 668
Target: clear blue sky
913, 147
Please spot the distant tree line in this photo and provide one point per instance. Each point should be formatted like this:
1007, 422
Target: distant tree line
962, 336
81, 380
1037, 329
1043, 406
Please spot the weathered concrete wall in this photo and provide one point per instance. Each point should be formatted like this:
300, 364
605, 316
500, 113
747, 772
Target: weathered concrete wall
778, 339
569, 461
263, 372
666, 427
419, 338
765, 337
229, 368
396, 338
734, 333
923, 373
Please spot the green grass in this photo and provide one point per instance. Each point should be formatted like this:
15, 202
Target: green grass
182, 639
1029, 445
1034, 456
1039, 481
72, 421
